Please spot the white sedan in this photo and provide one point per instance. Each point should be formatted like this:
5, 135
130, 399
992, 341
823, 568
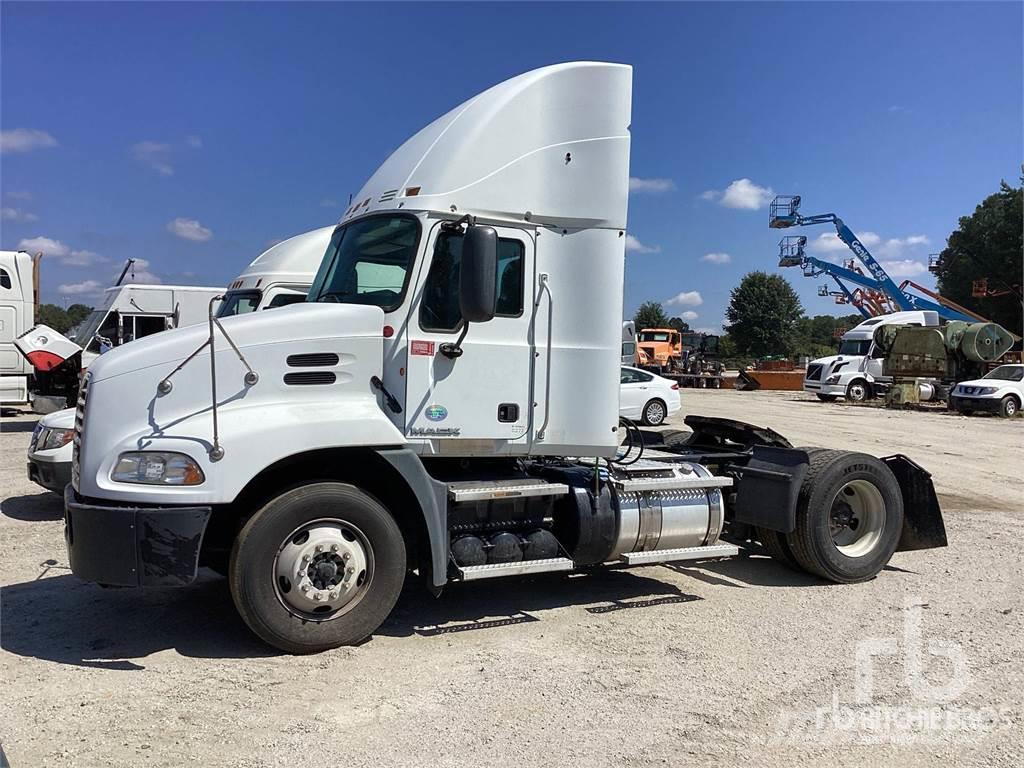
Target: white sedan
646, 397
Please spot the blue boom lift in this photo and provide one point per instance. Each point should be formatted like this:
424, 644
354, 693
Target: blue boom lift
785, 213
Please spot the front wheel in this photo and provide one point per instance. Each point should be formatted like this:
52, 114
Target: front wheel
849, 517
318, 567
1008, 407
858, 391
654, 413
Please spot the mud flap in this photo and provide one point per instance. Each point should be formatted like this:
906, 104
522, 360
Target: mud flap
767, 491
922, 519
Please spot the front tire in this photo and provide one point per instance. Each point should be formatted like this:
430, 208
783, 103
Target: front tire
655, 413
849, 517
858, 391
1008, 407
319, 566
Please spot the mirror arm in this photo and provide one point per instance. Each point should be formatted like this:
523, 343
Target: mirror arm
452, 351
456, 226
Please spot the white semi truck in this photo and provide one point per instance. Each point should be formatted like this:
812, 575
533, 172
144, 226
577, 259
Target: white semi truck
856, 372
422, 410
19, 289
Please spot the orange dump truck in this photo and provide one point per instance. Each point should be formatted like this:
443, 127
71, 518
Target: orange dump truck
661, 347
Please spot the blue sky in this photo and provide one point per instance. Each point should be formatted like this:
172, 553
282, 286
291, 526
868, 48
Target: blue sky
192, 135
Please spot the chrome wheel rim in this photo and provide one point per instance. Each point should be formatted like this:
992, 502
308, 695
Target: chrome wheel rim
857, 392
857, 518
655, 413
323, 569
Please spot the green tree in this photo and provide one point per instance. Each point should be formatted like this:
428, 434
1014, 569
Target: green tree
988, 244
762, 313
53, 316
650, 315
77, 313
818, 336
679, 324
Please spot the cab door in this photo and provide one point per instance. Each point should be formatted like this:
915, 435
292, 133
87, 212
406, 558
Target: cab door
485, 393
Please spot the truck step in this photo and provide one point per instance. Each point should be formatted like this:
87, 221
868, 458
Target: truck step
681, 553
522, 568
475, 490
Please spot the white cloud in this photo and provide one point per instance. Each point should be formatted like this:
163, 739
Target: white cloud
189, 229
829, 242
716, 258
194, 141
328, 203
894, 247
686, 299
82, 259
25, 140
904, 268
48, 246
635, 246
650, 185
86, 287
155, 155
689, 315
20, 195
16, 214
709, 194
746, 195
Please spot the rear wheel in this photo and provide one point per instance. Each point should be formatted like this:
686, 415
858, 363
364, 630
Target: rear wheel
319, 566
654, 413
1009, 407
849, 517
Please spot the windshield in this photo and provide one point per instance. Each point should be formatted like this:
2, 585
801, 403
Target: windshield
854, 347
1007, 373
651, 336
368, 262
239, 303
88, 327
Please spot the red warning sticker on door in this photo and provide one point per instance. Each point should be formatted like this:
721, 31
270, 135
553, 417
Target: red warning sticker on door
422, 348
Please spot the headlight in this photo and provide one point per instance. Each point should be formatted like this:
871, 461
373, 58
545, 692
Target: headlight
833, 379
986, 390
157, 468
48, 439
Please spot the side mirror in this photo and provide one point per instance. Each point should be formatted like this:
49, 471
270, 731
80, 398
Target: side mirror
478, 274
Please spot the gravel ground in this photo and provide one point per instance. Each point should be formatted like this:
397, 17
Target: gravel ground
731, 663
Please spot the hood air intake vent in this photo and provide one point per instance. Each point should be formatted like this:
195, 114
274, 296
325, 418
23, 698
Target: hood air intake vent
312, 360
309, 377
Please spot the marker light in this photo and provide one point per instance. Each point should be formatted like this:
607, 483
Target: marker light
388, 331
157, 468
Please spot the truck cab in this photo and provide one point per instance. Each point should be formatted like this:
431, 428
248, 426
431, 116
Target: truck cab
660, 348
279, 276
422, 410
855, 373
19, 277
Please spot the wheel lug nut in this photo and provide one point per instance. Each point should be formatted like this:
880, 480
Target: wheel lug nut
350, 570
304, 587
347, 556
305, 558
334, 547
334, 595
317, 597
319, 548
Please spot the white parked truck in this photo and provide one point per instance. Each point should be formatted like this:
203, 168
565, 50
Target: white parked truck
856, 372
279, 276
421, 411
19, 291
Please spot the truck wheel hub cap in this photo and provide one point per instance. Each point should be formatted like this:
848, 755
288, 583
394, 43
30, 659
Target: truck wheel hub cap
857, 518
322, 568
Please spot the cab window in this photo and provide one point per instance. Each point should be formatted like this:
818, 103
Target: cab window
5, 279
284, 299
439, 308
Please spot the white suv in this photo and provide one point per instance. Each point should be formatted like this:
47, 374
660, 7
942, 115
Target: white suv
999, 391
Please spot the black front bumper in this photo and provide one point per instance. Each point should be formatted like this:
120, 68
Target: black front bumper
986, 404
52, 475
133, 546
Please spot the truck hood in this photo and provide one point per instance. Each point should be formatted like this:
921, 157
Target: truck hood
308, 321
64, 419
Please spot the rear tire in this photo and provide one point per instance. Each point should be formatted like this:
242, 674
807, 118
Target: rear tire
354, 595
655, 413
849, 517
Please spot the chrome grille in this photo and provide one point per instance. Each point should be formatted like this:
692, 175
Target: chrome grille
76, 449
